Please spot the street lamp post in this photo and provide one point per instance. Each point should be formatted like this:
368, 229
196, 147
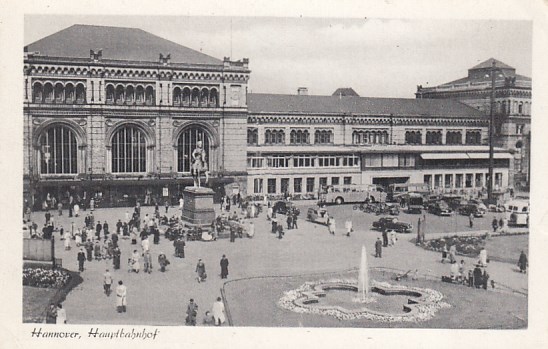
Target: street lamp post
491, 135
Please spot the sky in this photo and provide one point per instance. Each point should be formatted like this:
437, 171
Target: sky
376, 57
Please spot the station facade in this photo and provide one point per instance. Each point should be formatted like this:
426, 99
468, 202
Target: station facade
114, 113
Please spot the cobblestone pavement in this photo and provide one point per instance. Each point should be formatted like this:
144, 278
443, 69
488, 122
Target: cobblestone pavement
161, 298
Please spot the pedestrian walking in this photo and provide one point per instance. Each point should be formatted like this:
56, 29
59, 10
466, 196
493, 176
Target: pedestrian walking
494, 224
145, 245
419, 232
378, 248
471, 220
523, 262
393, 238
200, 271
89, 250
385, 238
51, 314
483, 257
224, 267
289, 221
68, 238
348, 227
332, 225
232, 234
81, 257
107, 282
166, 204
135, 265
147, 262
61, 317
116, 254
121, 297
179, 245
60, 208
280, 231
191, 313
105, 230
274, 225
218, 311
98, 229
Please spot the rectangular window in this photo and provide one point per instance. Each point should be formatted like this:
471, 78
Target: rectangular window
310, 185
258, 185
271, 186
351, 161
428, 180
406, 160
303, 161
519, 129
328, 161
277, 161
479, 180
449, 181
469, 180
389, 160
297, 185
437, 181
372, 160
323, 182
285, 185
255, 162
458, 181
347, 180
498, 180
334, 180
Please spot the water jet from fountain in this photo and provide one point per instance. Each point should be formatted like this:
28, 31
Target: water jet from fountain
363, 277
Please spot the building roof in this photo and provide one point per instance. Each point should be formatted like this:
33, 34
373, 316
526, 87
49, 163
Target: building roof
117, 43
489, 63
345, 91
278, 103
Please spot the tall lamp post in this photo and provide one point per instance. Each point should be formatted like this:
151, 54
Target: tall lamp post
493, 70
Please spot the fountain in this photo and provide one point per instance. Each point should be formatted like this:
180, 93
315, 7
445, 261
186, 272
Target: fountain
364, 299
363, 277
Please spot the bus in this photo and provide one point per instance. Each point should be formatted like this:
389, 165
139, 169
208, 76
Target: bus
397, 190
351, 193
415, 202
517, 212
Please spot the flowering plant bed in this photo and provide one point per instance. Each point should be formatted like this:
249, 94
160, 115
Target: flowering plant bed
45, 278
466, 245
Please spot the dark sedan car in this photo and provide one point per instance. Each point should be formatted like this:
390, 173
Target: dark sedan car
440, 208
468, 209
283, 207
392, 223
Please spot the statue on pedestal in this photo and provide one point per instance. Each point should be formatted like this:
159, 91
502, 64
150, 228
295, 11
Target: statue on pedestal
199, 165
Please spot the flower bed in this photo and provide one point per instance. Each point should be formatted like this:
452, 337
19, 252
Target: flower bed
466, 245
45, 278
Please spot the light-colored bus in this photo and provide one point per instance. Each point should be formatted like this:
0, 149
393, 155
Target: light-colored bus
351, 193
397, 190
517, 212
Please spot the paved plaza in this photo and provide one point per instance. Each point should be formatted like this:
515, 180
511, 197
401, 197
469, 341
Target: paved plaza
161, 298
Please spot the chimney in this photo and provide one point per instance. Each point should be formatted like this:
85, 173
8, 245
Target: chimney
302, 91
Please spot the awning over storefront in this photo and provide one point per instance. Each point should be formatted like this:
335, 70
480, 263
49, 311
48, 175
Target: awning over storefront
455, 156
443, 156
486, 156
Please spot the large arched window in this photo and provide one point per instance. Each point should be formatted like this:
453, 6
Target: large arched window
110, 94
58, 150
299, 137
139, 95
186, 96
48, 93
80, 94
433, 137
213, 98
252, 136
59, 93
204, 98
69, 93
326, 137
453, 137
129, 150
177, 96
413, 137
37, 93
186, 143
195, 97
119, 94
130, 93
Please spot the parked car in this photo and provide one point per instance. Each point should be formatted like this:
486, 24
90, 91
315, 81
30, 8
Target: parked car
283, 207
317, 215
392, 223
440, 208
474, 209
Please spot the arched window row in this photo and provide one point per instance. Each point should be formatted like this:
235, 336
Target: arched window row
196, 76
370, 137
453, 137
413, 137
508, 107
433, 137
59, 92
130, 95
51, 70
473, 137
252, 136
58, 151
274, 137
299, 137
323, 137
195, 97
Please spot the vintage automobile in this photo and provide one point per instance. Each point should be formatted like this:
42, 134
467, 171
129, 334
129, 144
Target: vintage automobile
317, 215
474, 209
282, 207
392, 223
440, 208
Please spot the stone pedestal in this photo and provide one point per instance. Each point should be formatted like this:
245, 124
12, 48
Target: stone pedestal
198, 207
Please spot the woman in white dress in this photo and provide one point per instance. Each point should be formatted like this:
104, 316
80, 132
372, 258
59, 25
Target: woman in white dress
218, 311
68, 238
121, 297
76, 210
61, 315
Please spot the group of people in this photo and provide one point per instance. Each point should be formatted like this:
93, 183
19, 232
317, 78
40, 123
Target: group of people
214, 317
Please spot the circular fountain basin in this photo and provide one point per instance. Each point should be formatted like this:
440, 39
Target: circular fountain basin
384, 302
